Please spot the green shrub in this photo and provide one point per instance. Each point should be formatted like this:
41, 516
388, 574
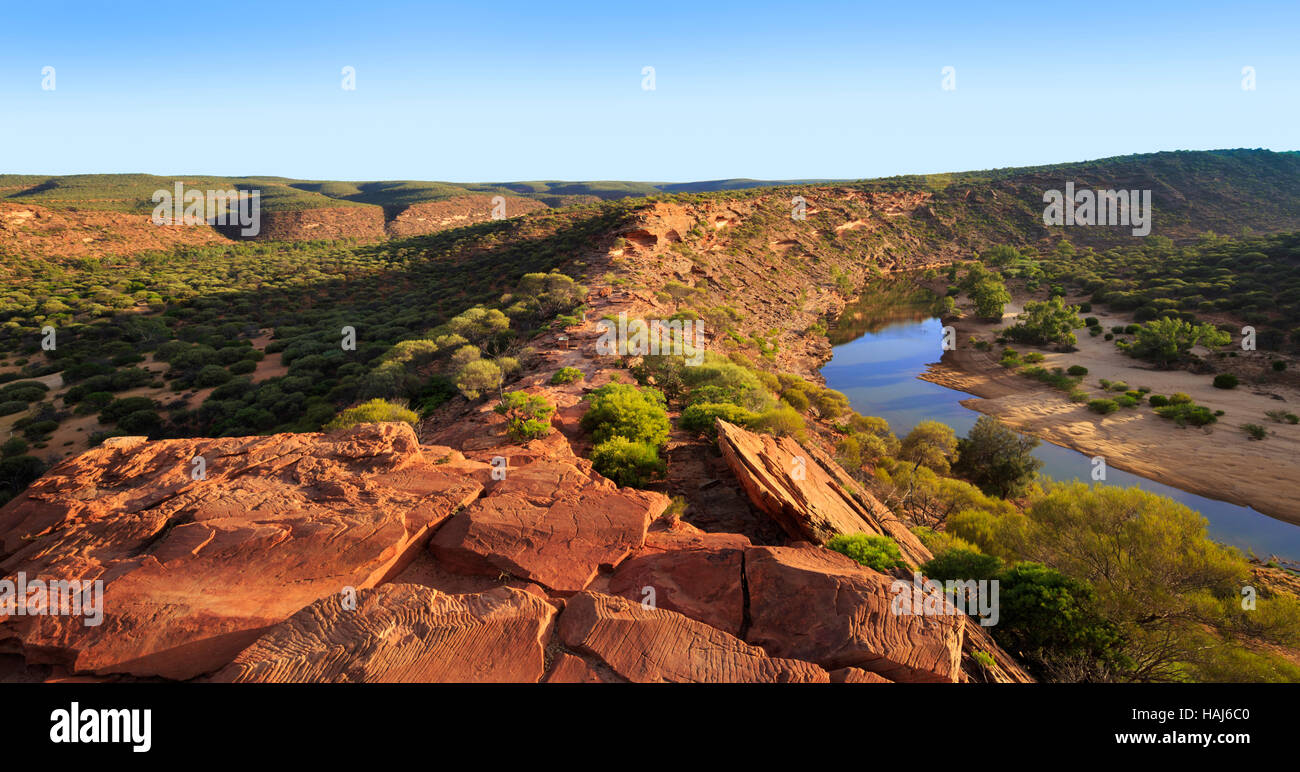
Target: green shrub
1158, 400
1126, 400
1254, 431
1103, 406
14, 446
879, 553
242, 367
962, 564
11, 407
1183, 413
1077, 370
1225, 381
781, 421
700, 417
528, 416
627, 462
1180, 398
374, 411
795, 399
566, 375
622, 410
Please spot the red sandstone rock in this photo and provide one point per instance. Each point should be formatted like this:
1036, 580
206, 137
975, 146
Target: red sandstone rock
696, 574
654, 645
402, 633
792, 485
572, 669
196, 570
549, 522
856, 675
810, 603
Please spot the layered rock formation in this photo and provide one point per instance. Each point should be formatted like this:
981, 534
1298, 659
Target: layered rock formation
365, 555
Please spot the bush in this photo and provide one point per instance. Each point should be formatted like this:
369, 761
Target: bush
1126, 400
1103, 406
1225, 381
1180, 398
1077, 370
374, 411
1254, 431
622, 410
14, 406
1158, 400
211, 375
795, 399
627, 462
781, 421
879, 553
528, 416
14, 446
961, 564
242, 367
566, 375
1183, 413
1050, 617
700, 417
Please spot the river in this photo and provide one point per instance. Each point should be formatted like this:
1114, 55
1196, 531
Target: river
878, 372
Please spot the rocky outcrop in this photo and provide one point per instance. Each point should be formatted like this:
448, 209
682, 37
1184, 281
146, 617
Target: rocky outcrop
361, 222
648, 645
454, 212
813, 604
694, 573
405, 634
194, 570
792, 485
550, 522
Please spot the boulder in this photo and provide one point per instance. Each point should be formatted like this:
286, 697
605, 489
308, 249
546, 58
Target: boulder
403, 633
691, 572
549, 522
656, 646
807, 602
792, 485
194, 570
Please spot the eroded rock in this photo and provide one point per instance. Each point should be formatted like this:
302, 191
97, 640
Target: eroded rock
654, 645
807, 602
194, 570
403, 633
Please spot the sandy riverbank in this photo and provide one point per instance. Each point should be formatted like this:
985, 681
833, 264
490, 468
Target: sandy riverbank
1218, 461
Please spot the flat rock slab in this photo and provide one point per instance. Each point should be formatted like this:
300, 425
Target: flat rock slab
694, 573
657, 646
548, 522
196, 569
403, 633
809, 603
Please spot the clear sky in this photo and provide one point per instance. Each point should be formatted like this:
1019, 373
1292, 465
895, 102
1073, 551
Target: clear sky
499, 90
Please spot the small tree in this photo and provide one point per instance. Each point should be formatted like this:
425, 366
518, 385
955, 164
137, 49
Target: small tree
930, 444
528, 416
996, 458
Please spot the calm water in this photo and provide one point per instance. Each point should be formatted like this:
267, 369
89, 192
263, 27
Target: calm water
878, 371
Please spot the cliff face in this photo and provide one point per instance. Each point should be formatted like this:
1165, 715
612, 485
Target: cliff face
365, 555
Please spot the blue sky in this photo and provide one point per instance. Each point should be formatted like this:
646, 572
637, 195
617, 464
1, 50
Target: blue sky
501, 90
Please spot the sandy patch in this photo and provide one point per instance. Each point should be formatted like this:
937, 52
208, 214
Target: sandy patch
1218, 461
